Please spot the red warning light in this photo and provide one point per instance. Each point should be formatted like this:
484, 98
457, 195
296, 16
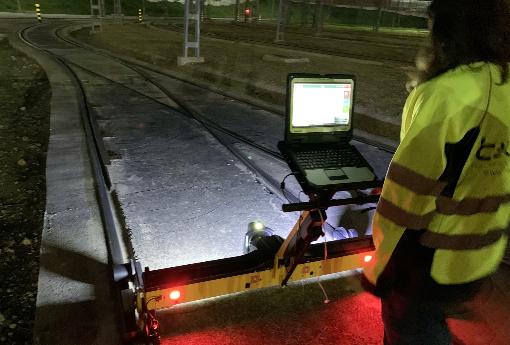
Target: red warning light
367, 258
247, 11
174, 295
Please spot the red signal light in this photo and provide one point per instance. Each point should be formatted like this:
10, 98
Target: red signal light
367, 258
247, 11
175, 295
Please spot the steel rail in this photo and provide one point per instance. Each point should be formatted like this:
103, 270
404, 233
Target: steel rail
271, 183
116, 251
260, 105
183, 108
289, 45
332, 35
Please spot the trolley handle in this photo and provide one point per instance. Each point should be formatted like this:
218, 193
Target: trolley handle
320, 204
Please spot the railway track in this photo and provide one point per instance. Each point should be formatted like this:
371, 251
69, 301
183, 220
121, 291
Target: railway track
124, 265
145, 71
125, 268
98, 157
304, 46
216, 130
121, 253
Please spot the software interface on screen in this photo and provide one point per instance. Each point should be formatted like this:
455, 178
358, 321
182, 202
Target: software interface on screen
321, 104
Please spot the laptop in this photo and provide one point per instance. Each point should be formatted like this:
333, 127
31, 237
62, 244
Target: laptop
318, 131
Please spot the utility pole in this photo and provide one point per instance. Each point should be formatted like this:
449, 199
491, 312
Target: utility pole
304, 12
117, 12
317, 18
191, 14
97, 14
236, 15
143, 8
204, 11
246, 11
398, 13
256, 12
377, 25
280, 24
19, 6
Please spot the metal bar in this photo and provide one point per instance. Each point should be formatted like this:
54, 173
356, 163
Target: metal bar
97, 14
208, 282
186, 26
252, 262
236, 15
197, 26
117, 11
319, 18
280, 23
336, 202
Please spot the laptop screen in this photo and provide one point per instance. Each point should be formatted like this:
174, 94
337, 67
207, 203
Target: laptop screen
321, 105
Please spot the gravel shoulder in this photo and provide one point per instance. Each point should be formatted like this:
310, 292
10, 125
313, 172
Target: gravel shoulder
24, 131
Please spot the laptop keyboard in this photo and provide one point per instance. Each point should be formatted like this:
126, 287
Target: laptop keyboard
327, 158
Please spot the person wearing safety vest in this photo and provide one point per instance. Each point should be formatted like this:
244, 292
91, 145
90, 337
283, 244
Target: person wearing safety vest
442, 222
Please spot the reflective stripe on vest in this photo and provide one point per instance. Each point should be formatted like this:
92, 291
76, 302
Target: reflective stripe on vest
462, 242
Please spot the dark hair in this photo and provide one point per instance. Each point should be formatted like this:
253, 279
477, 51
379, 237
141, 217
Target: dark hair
467, 31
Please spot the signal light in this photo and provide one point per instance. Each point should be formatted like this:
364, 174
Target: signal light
175, 295
367, 258
247, 11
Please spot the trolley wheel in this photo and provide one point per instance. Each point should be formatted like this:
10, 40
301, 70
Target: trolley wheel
128, 299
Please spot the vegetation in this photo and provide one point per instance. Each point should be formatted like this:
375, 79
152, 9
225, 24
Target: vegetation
24, 129
129, 7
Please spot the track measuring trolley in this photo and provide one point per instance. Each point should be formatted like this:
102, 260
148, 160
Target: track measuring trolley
317, 149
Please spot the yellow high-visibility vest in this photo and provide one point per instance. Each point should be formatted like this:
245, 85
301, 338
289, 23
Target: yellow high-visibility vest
450, 176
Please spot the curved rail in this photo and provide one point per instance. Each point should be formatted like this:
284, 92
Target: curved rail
132, 65
270, 182
98, 159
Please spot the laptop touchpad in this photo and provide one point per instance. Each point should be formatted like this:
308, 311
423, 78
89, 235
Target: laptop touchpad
335, 174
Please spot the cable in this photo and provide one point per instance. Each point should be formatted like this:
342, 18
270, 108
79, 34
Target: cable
324, 235
299, 195
326, 298
155, 298
282, 185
